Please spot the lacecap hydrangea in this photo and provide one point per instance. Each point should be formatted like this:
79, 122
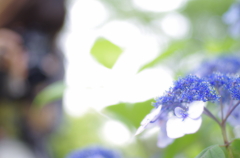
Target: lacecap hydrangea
178, 111
223, 74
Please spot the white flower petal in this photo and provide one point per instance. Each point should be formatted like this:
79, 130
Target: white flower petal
150, 118
196, 109
139, 130
174, 128
191, 126
163, 139
177, 127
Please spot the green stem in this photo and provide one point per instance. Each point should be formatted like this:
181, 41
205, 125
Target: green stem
208, 113
222, 125
225, 139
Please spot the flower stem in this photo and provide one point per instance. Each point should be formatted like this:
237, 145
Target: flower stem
222, 125
208, 113
223, 129
225, 139
224, 134
221, 104
229, 113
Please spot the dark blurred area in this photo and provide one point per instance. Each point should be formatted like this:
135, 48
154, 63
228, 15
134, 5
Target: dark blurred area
29, 62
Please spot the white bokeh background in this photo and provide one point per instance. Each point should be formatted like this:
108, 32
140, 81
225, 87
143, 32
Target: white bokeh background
91, 85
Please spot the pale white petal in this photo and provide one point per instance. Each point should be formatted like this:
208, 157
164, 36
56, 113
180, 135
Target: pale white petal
174, 128
163, 139
148, 119
139, 130
196, 109
191, 126
177, 127
152, 116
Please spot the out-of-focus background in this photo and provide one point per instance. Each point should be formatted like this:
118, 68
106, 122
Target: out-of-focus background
78, 73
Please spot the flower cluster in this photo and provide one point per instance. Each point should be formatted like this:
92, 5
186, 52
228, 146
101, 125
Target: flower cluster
226, 84
186, 90
224, 64
178, 111
94, 152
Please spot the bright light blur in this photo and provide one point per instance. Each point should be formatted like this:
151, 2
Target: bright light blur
90, 84
159, 5
116, 133
88, 14
237, 131
175, 25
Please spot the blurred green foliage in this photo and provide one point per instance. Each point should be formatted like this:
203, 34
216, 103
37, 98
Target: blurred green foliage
212, 152
208, 38
77, 133
235, 147
50, 94
130, 114
105, 52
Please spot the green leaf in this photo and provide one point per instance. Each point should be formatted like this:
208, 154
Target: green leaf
105, 52
235, 147
49, 94
215, 46
213, 151
130, 114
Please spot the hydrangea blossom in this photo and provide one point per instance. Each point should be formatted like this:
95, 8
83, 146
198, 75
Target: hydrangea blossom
186, 90
94, 152
234, 87
179, 108
223, 64
222, 73
178, 111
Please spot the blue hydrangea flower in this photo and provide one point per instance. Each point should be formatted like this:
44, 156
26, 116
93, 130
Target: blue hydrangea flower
221, 73
179, 107
232, 18
218, 80
222, 83
94, 152
186, 90
224, 64
234, 87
